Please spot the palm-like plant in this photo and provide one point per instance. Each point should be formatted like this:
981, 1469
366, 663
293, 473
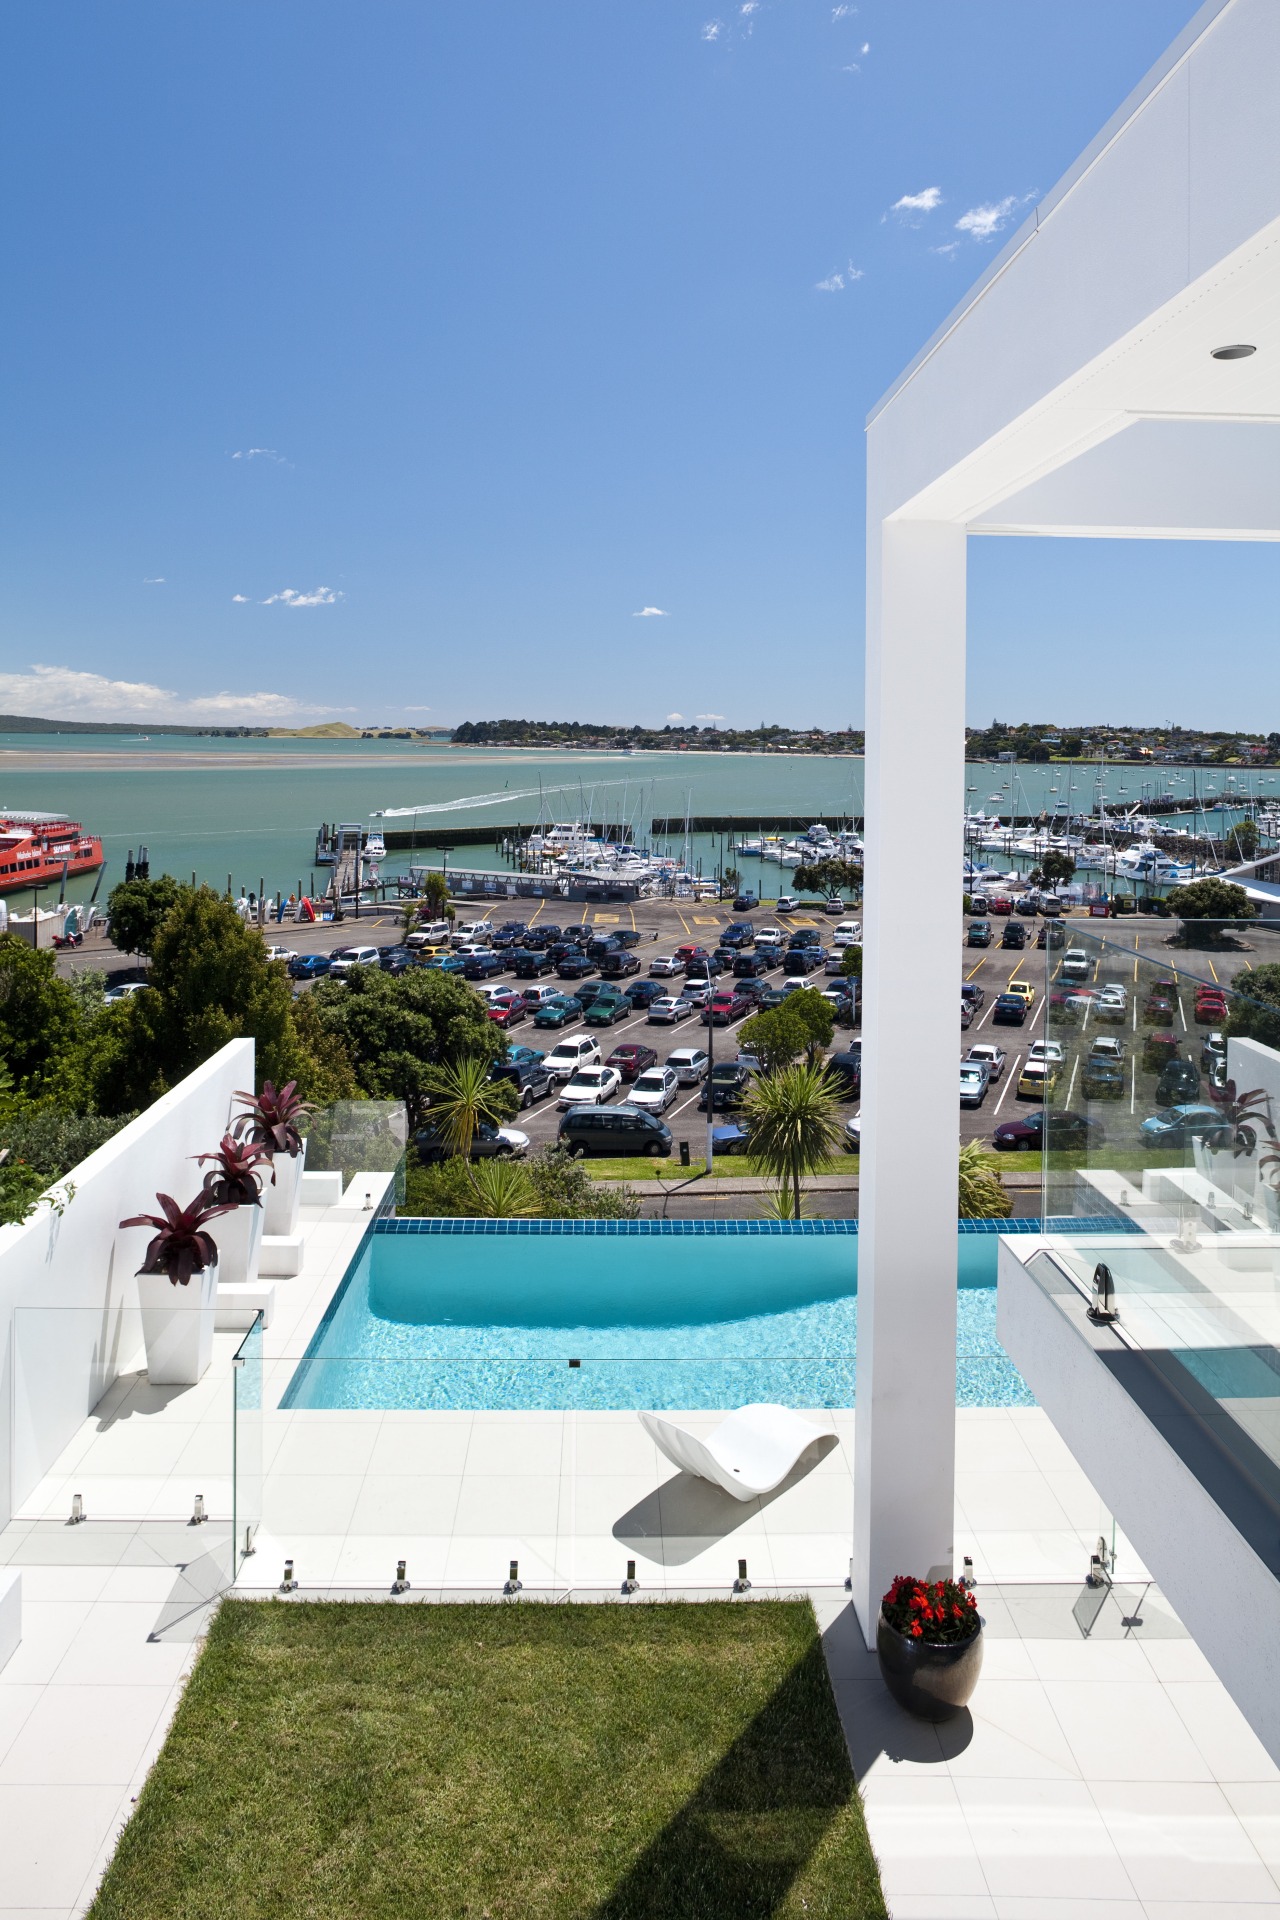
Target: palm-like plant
982, 1192
503, 1191
273, 1116
239, 1169
793, 1118
181, 1245
463, 1095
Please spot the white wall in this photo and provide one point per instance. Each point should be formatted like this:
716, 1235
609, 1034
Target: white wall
56, 1365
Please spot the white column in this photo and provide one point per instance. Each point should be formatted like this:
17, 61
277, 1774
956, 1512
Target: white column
904, 1445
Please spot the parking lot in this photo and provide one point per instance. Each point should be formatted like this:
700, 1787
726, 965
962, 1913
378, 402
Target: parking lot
664, 925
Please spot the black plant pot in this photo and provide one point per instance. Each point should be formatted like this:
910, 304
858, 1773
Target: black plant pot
932, 1682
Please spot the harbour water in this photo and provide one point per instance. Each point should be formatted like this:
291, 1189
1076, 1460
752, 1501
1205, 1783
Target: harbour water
249, 809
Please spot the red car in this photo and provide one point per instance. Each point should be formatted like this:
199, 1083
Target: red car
507, 1011
631, 1059
999, 903
691, 951
726, 1005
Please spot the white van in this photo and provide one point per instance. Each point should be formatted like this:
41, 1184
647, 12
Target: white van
847, 934
1076, 965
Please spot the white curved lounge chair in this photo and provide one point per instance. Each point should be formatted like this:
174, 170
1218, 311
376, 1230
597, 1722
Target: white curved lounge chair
751, 1452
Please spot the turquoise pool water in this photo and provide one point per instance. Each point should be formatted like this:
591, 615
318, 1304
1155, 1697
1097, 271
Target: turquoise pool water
490, 1314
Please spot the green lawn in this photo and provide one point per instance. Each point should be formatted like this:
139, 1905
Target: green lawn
499, 1762
728, 1166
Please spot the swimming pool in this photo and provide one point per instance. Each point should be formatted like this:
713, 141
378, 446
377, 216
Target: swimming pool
621, 1314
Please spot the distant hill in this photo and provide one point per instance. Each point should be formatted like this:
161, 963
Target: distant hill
331, 730
29, 723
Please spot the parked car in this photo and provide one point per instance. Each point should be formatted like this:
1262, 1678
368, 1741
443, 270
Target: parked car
847, 934
972, 994
801, 960
751, 991
664, 966
769, 952
1010, 1010
631, 1058
535, 997
344, 958
845, 1069
1107, 1046
1038, 1080
606, 1008
114, 995
483, 966
530, 963
1047, 1050
727, 1087
966, 1015
987, 1054
643, 993
805, 937
531, 1079
749, 966
568, 1056
1027, 903
614, 1131
397, 959
509, 1011
1032, 1130
1102, 1079
974, 1081
770, 936
1158, 1049
1179, 1084
589, 1087
787, 903
1075, 965
853, 1134
731, 1136
558, 1012
1179, 1126
655, 1089
668, 1011
600, 945
771, 997
618, 964
738, 934
1014, 935
1110, 1006
690, 950
1051, 934
1213, 1052
999, 903
307, 966
689, 1065
979, 934
697, 993
488, 1143
743, 902
575, 966
724, 1008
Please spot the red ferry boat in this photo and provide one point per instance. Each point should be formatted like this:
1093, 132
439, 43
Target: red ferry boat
36, 847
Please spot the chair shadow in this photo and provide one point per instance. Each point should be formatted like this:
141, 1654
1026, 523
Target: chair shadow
737, 1845
686, 1515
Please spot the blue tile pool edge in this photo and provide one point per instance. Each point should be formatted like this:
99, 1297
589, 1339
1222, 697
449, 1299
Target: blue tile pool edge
387, 1224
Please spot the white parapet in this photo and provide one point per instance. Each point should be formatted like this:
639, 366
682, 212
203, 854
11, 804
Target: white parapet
10, 1614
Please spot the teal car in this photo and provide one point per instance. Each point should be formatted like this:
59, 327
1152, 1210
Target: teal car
558, 1012
606, 1008
449, 964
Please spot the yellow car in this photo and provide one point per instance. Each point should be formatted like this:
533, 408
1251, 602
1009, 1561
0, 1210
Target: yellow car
1025, 988
433, 953
1038, 1080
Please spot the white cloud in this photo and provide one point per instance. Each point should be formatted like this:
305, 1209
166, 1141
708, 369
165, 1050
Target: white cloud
912, 205
865, 48
651, 613
240, 599
838, 13
417, 709
675, 719
713, 30
949, 251
290, 597
72, 694
749, 7
709, 719
260, 453
985, 221
834, 283
154, 580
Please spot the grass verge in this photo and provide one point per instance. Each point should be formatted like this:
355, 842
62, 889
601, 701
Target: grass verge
664, 1762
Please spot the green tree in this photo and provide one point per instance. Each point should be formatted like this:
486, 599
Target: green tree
137, 909
41, 1025
52, 1141
851, 965
828, 876
566, 1190
395, 1029
794, 1126
981, 1191
1253, 1011
1244, 839
211, 982
1057, 868
435, 897
1208, 900
817, 1019
776, 1037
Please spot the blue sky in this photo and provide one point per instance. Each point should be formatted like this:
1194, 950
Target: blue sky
388, 361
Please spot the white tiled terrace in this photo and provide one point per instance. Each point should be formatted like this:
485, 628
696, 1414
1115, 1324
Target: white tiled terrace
1104, 1770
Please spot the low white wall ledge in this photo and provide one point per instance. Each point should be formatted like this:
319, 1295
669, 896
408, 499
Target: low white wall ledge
10, 1614
322, 1189
281, 1255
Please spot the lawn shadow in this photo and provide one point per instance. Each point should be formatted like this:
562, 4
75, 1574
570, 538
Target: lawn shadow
686, 1515
749, 1829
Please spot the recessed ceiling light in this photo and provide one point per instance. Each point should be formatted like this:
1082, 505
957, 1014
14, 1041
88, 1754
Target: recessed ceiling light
1232, 353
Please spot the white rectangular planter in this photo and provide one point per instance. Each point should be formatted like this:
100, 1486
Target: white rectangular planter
238, 1238
177, 1326
280, 1203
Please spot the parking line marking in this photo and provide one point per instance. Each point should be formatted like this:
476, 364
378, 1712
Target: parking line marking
695, 1095
1133, 1084
1182, 1016
1214, 971
1072, 1087
1011, 1070
977, 969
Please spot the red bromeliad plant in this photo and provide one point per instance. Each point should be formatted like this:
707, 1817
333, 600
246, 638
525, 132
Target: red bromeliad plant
273, 1116
181, 1246
239, 1168
939, 1611
1244, 1116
